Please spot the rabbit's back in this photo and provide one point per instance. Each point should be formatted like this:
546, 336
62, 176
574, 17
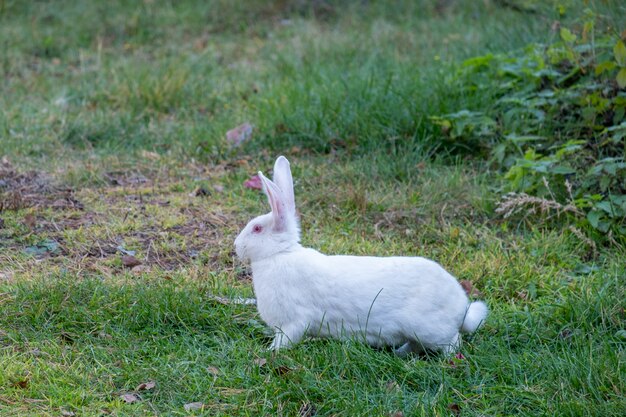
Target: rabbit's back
387, 300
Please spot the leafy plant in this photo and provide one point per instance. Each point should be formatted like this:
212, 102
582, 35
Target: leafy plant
557, 129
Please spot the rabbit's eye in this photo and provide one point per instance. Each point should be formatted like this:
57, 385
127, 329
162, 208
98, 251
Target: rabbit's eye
257, 228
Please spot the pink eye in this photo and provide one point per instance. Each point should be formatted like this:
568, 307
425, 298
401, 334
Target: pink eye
257, 228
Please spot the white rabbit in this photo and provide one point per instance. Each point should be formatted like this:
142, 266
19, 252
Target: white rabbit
410, 303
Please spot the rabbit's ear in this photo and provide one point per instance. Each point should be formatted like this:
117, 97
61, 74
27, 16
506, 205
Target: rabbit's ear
277, 202
282, 178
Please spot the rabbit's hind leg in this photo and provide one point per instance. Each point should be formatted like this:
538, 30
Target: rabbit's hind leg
286, 336
408, 348
453, 346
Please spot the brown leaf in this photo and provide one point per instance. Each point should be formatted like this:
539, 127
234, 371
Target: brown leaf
193, 406
130, 261
22, 383
144, 386
30, 221
455, 409
254, 183
239, 134
241, 162
467, 286
129, 398
458, 358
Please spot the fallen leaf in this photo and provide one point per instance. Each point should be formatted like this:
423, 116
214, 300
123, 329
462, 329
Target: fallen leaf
213, 370
30, 221
239, 134
130, 261
145, 386
240, 162
455, 409
67, 413
467, 286
254, 182
219, 188
397, 414
129, 398
457, 359
22, 383
193, 406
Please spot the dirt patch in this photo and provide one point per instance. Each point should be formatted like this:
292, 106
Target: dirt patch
19, 190
155, 219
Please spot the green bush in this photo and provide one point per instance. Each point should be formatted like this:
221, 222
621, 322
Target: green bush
557, 127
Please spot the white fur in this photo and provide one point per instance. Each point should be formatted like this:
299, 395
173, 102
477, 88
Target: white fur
410, 303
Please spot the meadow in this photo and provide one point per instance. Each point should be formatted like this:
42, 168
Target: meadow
120, 198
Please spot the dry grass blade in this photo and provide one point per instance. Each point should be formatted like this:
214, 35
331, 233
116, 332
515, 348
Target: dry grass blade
514, 203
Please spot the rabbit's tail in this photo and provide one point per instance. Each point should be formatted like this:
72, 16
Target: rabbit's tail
474, 317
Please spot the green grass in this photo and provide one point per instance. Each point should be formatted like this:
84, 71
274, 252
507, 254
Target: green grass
111, 116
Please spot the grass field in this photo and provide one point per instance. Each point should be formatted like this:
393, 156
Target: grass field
112, 144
